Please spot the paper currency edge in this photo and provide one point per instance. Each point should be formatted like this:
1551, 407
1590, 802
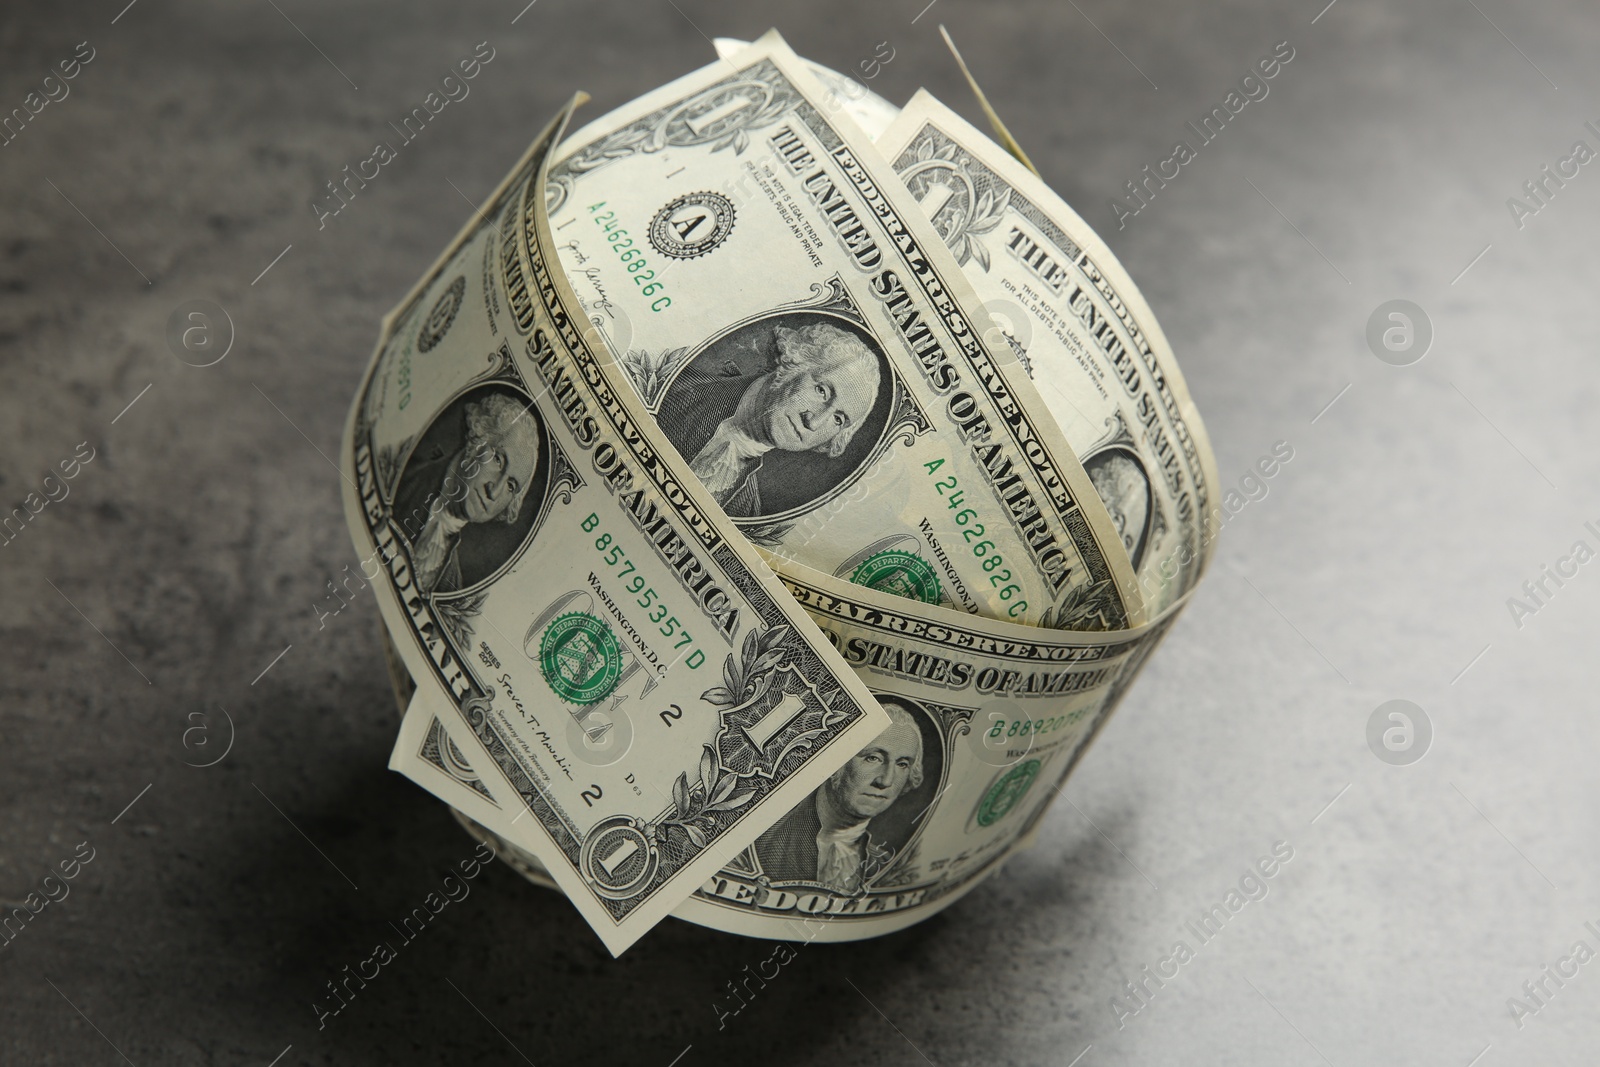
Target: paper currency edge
771, 47
903, 132
750, 824
736, 907
403, 309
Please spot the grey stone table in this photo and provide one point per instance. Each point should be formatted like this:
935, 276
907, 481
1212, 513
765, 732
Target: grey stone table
178, 577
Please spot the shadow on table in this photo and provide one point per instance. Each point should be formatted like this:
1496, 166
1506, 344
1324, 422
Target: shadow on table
510, 973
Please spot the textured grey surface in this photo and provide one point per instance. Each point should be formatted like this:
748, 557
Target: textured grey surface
1379, 565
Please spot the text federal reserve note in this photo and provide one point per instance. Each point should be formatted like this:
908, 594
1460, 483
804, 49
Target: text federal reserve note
1084, 333
986, 720
547, 556
802, 337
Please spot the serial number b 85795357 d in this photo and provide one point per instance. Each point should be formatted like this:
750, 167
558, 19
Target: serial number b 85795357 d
645, 595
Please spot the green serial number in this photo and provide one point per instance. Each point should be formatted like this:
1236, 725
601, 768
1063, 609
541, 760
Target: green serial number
643, 275
972, 533
645, 595
1033, 727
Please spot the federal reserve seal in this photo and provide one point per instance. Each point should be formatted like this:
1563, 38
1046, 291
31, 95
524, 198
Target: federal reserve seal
904, 574
692, 225
1007, 790
580, 658
443, 314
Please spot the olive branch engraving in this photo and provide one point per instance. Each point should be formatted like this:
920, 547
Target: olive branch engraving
961, 230
697, 805
457, 615
746, 678
753, 677
738, 140
667, 128
388, 460
1084, 605
650, 372
768, 535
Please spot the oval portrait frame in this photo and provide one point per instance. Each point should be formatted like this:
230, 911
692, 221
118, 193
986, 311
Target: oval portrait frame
1118, 450
443, 436
786, 468
901, 825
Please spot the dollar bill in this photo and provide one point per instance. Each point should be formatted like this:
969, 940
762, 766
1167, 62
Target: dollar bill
1079, 325
547, 557
866, 108
802, 337
987, 721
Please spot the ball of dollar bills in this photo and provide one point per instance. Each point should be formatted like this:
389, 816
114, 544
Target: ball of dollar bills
773, 492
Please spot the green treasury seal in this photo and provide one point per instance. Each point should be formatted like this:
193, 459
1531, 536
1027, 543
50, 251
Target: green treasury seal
1004, 794
901, 573
580, 658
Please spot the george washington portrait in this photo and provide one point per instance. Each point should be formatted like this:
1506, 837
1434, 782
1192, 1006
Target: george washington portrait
858, 821
1119, 478
469, 492
779, 413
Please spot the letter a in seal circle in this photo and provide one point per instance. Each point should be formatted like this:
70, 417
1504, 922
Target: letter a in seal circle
692, 225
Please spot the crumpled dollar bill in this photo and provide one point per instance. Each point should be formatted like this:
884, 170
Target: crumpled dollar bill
776, 491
